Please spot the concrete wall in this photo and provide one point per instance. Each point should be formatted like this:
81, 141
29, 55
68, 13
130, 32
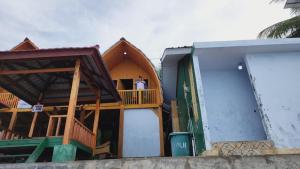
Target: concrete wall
231, 107
141, 133
276, 78
259, 162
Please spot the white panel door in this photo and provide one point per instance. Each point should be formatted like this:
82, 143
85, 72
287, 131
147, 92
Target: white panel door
141, 133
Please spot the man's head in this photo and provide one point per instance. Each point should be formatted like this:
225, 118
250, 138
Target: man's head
140, 77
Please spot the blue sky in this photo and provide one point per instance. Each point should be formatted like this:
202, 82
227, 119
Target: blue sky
150, 25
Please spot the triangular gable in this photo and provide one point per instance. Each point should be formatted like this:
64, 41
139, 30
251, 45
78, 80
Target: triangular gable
27, 44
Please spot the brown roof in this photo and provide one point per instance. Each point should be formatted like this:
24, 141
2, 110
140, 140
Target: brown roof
56, 86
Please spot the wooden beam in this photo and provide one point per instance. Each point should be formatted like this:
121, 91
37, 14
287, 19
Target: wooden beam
65, 100
175, 118
72, 103
35, 71
13, 120
87, 115
121, 132
33, 122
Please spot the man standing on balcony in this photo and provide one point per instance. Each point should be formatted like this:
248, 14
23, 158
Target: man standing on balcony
140, 84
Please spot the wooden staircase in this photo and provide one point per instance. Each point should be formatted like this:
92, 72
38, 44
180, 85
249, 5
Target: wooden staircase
18, 155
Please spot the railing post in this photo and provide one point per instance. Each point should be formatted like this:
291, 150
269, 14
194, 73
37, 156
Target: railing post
32, 124
140, 96
50, 124
58, 126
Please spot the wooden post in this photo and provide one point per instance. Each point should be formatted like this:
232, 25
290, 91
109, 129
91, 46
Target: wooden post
96, 118
72, 103
50, 127
32, 124
58, 126
121, 132
140, 96
161, 132
82, 116
175, 119
13, 120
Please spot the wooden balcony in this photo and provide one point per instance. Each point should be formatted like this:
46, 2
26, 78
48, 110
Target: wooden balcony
9, 100
139, 97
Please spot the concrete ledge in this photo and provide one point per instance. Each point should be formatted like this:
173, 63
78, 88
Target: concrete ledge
256, 162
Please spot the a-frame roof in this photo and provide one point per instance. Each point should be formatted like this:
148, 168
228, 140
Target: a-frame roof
123, 49
115, 55
27, 44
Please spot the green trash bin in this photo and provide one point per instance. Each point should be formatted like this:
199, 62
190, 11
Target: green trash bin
181, 144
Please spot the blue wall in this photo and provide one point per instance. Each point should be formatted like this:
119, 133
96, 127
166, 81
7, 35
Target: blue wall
141, 133
276, 78
230, 105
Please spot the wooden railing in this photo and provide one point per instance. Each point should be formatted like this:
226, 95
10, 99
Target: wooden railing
55, 122
79, 132
6, 134
9, 100
147, 96
83, 134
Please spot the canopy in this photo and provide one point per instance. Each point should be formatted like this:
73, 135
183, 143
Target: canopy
45, 75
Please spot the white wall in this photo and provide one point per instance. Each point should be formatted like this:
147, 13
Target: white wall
276, 78
141, 133
230, 106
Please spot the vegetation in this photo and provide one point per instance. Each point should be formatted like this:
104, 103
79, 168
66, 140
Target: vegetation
285, 29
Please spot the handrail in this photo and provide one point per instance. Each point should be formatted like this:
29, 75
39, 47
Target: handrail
83, 134
133, 97
9, 99
52, 123
79, 131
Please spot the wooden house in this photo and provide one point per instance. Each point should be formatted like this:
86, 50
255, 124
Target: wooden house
110, 117
67, 87
140, 124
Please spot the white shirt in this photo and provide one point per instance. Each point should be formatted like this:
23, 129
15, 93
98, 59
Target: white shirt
140, 85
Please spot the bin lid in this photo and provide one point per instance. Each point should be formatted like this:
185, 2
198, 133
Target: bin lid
179, 133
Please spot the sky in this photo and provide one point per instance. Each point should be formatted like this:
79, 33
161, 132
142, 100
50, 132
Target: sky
151, 25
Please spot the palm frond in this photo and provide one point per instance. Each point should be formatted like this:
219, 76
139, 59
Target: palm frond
286, 28
276, 1
295, 11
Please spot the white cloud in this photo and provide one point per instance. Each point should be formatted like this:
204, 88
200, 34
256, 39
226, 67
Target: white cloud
151, 25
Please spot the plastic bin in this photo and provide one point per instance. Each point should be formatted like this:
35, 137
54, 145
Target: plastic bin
181, 144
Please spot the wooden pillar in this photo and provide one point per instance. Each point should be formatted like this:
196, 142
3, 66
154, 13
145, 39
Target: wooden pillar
175, 119
161, 132
121, 132
72, 103
33, 122
97, 115
13, 120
